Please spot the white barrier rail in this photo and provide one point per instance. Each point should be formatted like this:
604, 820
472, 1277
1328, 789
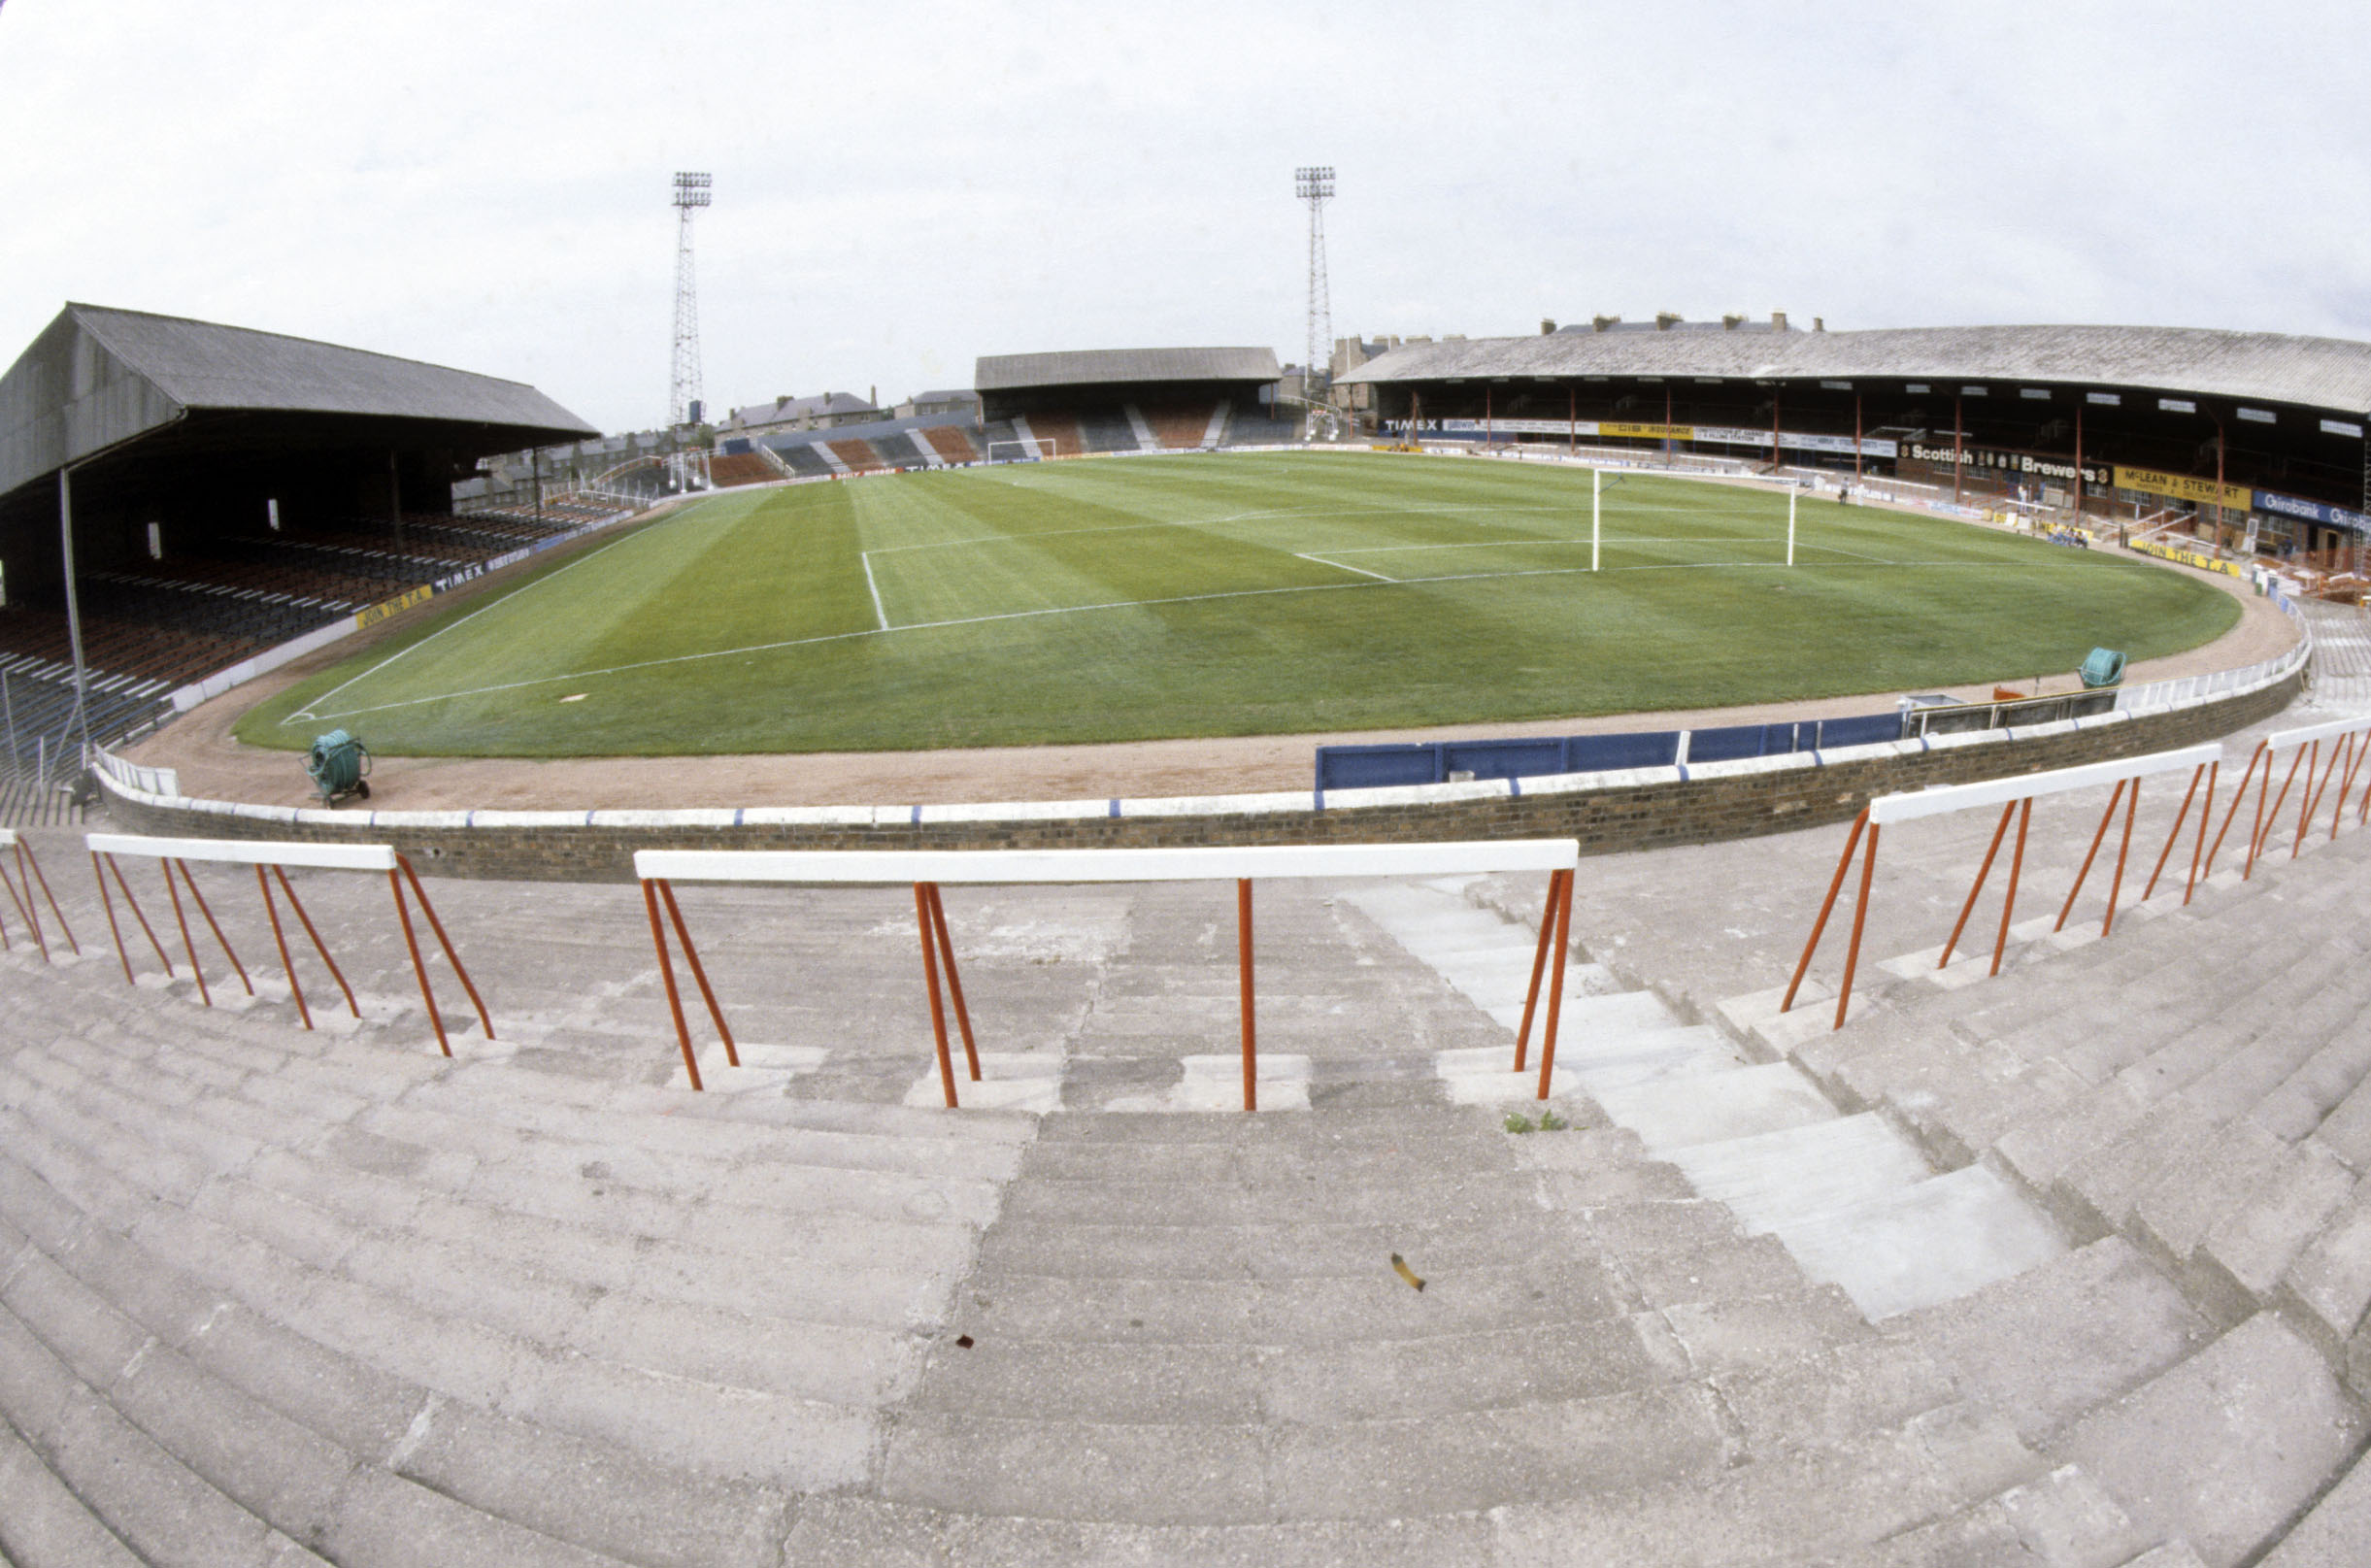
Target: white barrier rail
2015, 796
925, 870
2353, 746
21, 893
175, 855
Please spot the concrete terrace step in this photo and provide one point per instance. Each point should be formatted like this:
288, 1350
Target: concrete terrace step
2063, 1520
2225, 1449
599, 1497
2334, 1533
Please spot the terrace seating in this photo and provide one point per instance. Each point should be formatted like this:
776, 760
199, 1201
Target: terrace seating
1108, 430
263, 1291
859, 456
951, 442
1060, 432
805, 461
1180, 427
728, 469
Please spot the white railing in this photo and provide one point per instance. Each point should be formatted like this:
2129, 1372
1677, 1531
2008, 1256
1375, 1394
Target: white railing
925, 869
175, 855
2015, 796
2180, 690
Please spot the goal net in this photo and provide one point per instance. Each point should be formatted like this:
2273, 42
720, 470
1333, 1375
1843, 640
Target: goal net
1036, 449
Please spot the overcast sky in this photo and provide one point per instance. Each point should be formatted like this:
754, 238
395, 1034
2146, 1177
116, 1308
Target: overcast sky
900, 188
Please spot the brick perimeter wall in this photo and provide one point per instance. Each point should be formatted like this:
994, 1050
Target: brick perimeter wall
1696, 811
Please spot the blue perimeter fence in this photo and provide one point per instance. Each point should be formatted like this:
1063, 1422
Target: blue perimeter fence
1370, 767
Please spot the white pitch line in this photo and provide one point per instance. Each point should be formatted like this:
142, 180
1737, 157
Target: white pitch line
308, 712
1345, 566
879, 613
1119, 604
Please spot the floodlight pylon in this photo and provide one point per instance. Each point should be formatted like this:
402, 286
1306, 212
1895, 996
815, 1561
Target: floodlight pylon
1314, 185
692, 193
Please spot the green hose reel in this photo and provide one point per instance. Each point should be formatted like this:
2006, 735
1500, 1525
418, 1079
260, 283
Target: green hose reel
339, 765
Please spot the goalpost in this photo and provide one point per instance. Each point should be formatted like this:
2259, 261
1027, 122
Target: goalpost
1035, 450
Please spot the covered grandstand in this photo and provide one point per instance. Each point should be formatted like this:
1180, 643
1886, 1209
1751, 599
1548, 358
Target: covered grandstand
2254, 440
1105, 400
179, 496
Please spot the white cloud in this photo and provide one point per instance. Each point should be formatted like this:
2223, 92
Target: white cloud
901, 188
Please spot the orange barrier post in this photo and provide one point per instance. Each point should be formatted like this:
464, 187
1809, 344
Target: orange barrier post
2354, 761
210, 923
183, 920
100, 877
445, 942
1826, 905
2313, 801
27, 861
1243, 976
1999, 831
2116, 885
335, 973
1860, 918
2239, 798
2017, 867
2256, 841
146, 929
2174, 836
954, 981
2105, 818
666, 975
2204, 812
691, 957
1555, 986
1539, 967
6, 945
280, 939
420, 971
930, 978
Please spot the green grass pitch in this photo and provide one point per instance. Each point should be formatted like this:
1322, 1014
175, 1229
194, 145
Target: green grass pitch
1226, 594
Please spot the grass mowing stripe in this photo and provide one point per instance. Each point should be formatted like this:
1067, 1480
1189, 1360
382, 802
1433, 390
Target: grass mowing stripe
1200, 595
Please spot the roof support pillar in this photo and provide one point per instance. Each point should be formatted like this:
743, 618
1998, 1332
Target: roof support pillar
80, 719
1958, 448
396, 497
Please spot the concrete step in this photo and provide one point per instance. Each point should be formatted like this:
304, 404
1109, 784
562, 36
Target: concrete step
2237, 1267
1716, 1107
2347, 1129
2339, 1066
2257, 1014
2223, 1450
163, 1510
1801, 1506
2044, 1347
1930, 1242
2334, 1533
43, 1523
1100, 1251
2329, 1284
1211, 1475
2176, 1211
2063, 1520
1776, 1180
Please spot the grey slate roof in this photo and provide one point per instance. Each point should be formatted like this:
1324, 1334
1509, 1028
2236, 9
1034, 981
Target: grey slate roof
822, 405
1004, 373
96, 377
2326, 373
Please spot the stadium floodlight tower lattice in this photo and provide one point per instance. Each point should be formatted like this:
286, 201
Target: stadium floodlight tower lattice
692, 193
1314, 185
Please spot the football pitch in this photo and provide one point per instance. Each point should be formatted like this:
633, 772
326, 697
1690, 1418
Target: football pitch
1219, 594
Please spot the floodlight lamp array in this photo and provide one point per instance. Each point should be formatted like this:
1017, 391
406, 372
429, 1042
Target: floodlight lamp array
1314, 184
692, 189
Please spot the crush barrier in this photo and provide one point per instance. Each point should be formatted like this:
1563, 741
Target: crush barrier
658, 870
20, 887
2350, 748
175, 855
2016, 797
